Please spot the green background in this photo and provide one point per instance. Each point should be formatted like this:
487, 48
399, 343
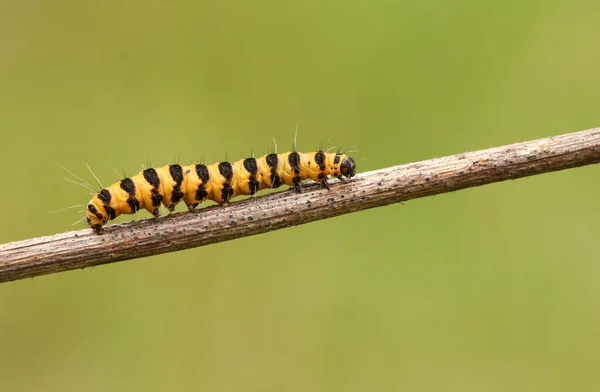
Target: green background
488, 289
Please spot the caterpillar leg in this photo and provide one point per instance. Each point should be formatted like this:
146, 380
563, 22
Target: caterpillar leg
296, 181
199, 198
325, 184
227, 193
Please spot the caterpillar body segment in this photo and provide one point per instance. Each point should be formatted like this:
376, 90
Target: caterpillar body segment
220, 182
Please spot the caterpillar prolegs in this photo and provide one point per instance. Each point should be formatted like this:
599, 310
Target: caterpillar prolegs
220, 182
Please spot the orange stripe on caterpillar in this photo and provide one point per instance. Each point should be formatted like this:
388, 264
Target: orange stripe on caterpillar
220, 182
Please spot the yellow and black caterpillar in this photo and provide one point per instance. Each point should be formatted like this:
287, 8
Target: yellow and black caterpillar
221, 181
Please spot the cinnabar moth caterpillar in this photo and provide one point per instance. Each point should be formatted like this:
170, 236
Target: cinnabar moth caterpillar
221, 181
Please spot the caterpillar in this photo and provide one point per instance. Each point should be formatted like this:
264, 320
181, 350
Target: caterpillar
220, 182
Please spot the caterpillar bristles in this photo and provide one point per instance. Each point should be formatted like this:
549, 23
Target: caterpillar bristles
81, 182
66, 208
94, 175
220, 182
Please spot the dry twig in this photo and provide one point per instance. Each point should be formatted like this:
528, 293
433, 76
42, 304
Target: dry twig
84, 248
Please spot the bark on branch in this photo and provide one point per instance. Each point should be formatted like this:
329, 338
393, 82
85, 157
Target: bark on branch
84, 248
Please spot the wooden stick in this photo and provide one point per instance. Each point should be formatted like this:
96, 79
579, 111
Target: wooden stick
84, 248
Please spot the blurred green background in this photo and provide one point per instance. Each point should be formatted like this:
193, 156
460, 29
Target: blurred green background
487, 289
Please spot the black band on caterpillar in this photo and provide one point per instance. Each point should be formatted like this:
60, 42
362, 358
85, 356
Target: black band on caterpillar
220, 182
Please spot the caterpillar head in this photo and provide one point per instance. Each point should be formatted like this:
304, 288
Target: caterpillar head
97, 214
348, 167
